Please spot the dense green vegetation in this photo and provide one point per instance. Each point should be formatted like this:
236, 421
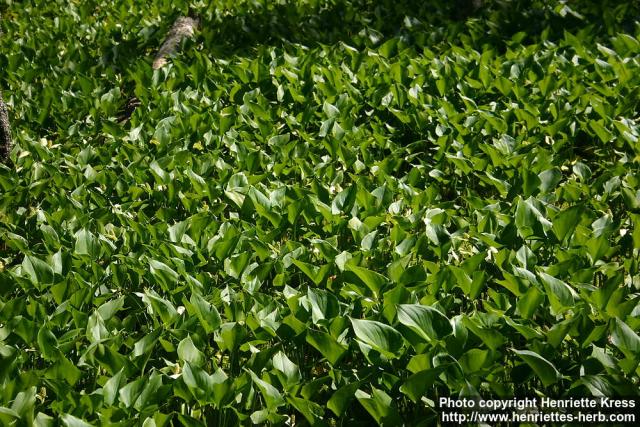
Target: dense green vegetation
323, 211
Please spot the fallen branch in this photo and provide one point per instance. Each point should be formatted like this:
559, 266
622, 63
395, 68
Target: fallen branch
6, 143
182, 28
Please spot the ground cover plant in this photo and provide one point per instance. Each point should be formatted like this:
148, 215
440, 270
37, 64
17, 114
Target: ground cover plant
322, 212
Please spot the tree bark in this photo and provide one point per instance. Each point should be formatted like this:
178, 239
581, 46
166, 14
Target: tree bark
182, 28
6, 143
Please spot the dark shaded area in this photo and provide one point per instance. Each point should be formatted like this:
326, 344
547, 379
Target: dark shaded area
367, 23
358, 23
127, 110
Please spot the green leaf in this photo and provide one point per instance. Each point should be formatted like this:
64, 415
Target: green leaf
340, 400
329, 110
561, 295
8, 415
188, 352
328, 346
631, 199
230, 336
559, 331
159, 306
71, 421
111, 387
198, 381
529, 217
271, 395
16, 241
163, 272
382, 338
474, 360
39, 272
316, 273
324, 305
110, 308
380, 406
24, 403
177, 231
48, 343
549, 179
343, 202
602, 132
204, 387
418, 384
544, 369
86, 244
310, 410
130, 392
598, 385
489, 335
290, 370
205, 312
236, 264
149, 396
263, 206
146, 343
565, 222
623, 337
374, 281
529, 302
43, 420
426, 321
96, 330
